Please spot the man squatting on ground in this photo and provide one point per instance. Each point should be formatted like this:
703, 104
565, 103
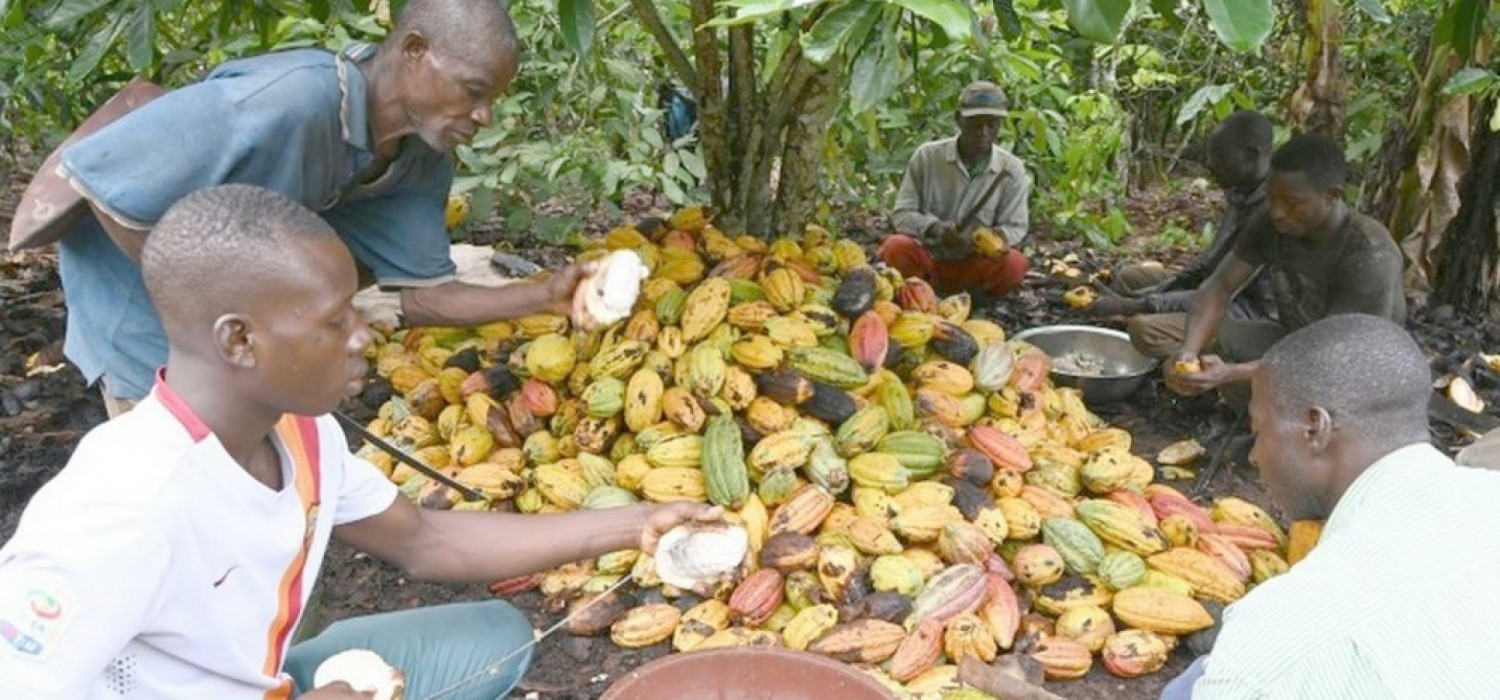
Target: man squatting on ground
1396, 600
174, 554
1239, 158
362, 137
944, 181
1321, 259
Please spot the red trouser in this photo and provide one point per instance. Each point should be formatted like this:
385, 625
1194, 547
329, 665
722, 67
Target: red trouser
1001, 275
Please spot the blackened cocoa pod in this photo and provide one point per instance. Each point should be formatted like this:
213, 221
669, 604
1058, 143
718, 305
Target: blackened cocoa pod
784, 386
953, 342
859, 586
748, 434
591, 616
466, 359
885, 605
829, 404
501, 381
856, 294
893, 354
972, 466
789, 551
968, 498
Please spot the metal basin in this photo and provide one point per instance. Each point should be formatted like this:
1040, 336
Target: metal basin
1123, 370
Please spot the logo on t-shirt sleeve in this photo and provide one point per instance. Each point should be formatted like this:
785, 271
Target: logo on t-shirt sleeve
34, 610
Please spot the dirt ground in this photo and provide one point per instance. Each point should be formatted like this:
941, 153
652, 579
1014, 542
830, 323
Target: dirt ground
45, 409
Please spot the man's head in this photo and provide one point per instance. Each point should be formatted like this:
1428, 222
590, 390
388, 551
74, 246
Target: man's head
254, 293
981, 106
1239, 151
1307, 184
1330, 399
457, 57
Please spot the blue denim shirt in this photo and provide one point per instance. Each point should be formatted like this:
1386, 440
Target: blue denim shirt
296, 122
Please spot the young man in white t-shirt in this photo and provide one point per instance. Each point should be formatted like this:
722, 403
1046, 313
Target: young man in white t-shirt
173, 555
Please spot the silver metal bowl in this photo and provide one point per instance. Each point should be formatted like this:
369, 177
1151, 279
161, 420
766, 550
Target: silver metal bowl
1124, 370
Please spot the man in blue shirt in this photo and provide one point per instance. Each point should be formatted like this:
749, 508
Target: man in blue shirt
363, 138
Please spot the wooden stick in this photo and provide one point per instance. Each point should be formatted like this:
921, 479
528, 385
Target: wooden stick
999, 683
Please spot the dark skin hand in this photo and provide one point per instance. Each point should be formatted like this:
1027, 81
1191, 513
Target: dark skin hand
1216, 373
460, 304
1112, 303
948, 241
447, 546
1203, 319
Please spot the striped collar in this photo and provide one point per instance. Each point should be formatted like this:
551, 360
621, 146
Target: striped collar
354, 102
196, 428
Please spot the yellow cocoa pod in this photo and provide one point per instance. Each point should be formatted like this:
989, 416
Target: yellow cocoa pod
668, 484
645, 625
808, 625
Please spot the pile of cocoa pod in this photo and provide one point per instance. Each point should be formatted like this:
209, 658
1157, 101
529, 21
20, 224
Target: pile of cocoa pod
914, 487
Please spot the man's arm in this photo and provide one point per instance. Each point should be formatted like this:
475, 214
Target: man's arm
1203, 321
458, 546
908, 217
457, 303
1012, 211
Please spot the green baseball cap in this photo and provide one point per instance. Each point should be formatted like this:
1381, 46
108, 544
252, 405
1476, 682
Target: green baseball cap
982, 97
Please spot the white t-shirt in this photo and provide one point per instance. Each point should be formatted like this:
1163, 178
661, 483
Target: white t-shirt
155, 566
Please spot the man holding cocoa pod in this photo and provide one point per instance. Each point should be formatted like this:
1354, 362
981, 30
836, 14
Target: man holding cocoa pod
364, 137
1321, 258
174, 555
962, 207
1394, 599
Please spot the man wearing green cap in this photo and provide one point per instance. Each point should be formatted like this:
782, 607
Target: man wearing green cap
954, 187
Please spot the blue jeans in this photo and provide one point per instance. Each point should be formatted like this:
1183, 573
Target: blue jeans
437, 647
1181, 687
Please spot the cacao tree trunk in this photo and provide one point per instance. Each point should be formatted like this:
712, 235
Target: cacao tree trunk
802, 157
1317, 106
1468, 267
762, 140
749, 129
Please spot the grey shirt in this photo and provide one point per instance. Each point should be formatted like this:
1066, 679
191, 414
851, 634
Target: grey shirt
937, 187
1357, 270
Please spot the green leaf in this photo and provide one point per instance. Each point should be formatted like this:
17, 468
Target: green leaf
1097, 20
1460, 26
1006, 18
877, 71
694, 164
1205, 96
140, 38
844, 25
1375, 9
953, 16
1469, 81
576, 17
1242, 25
94, 50
747, 11
71, 11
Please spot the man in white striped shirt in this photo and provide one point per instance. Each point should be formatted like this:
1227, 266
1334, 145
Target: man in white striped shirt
1398, 598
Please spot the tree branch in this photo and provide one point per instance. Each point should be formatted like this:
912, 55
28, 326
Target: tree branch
713, 122
658, 29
